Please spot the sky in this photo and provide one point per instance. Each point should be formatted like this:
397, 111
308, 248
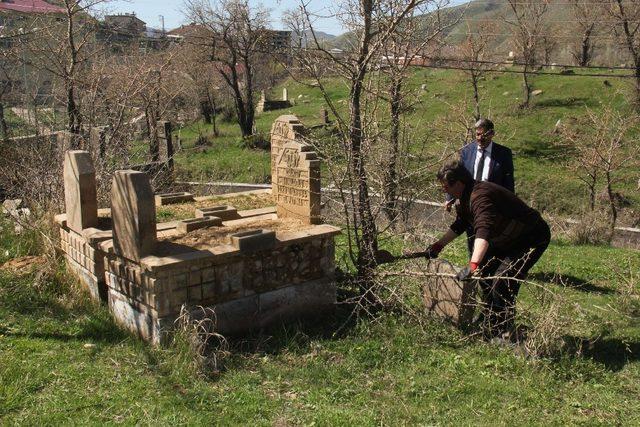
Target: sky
173, 12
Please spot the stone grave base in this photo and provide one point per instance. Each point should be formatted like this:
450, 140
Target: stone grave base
84, 257
232, 317
248, 280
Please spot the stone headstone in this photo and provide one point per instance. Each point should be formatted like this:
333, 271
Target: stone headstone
446, 297
285, 129
81, 201
133, 211
285, 94
298, 183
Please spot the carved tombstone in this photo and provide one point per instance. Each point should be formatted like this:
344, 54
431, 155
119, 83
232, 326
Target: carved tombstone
298, 183
80, 190
286, 128
446, 297
133, 211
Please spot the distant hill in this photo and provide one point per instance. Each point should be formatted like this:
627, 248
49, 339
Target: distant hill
489, 15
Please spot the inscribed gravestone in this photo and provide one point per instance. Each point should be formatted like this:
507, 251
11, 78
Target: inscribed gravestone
134, 215
298, 183
285, 129
80, 197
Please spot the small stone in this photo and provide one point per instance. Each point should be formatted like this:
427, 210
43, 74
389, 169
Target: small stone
536, 92
89, 345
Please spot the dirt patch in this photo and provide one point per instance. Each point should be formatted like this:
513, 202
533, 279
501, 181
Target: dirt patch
206, 238
187, 210
23, 265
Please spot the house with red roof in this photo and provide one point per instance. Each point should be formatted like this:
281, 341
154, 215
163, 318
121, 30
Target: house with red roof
30, 6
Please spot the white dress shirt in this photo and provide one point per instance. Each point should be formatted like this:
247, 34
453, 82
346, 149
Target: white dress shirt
487, 161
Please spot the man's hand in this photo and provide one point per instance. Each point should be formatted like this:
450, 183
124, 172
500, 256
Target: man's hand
433, 251
449, 204
469, 272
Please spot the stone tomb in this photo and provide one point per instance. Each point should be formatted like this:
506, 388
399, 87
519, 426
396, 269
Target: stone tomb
81, 229
295, 173
252, 267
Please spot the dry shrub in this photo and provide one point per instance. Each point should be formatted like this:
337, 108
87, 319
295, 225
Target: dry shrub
628, 301
196, 339
547, 326
593, 228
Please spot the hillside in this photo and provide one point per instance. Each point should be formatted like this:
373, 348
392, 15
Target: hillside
542, 175
489, 16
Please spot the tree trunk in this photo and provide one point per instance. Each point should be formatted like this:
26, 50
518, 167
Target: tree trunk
390, 185
527, 88
368, 241
152, 130
205, 110
4, 129
476, 96
213, 115
612, 204
585, 54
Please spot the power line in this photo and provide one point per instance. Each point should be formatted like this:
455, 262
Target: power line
551, 36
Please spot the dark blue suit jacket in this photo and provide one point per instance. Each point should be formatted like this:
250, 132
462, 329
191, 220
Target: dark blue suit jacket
500, 167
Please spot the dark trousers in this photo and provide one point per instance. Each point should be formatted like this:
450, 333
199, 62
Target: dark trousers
499, 293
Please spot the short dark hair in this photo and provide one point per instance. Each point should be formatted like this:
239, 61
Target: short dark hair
485, 124
455, 171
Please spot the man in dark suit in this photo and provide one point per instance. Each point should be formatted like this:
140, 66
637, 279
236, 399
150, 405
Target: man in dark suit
486, 161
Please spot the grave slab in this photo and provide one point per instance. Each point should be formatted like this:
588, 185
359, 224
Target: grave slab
80, 196
134, 215
446, 297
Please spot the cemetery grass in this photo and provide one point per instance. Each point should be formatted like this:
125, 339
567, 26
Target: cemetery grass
65, 361
541, 169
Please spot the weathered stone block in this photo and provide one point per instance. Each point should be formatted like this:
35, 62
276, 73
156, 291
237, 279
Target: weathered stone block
188, 225
446, 297
229, 277
80, 196
253, 240
173, 198
225, 213
134, 215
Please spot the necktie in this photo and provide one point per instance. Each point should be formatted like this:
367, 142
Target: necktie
480, 167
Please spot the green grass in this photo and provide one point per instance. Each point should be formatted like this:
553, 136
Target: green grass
541, 171
334, 370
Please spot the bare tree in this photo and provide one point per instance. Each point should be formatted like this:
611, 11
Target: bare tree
63, 48
472, 52
625, 15
372, 24
237, 37
604, 146
586, 16
414, 40
528, 26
